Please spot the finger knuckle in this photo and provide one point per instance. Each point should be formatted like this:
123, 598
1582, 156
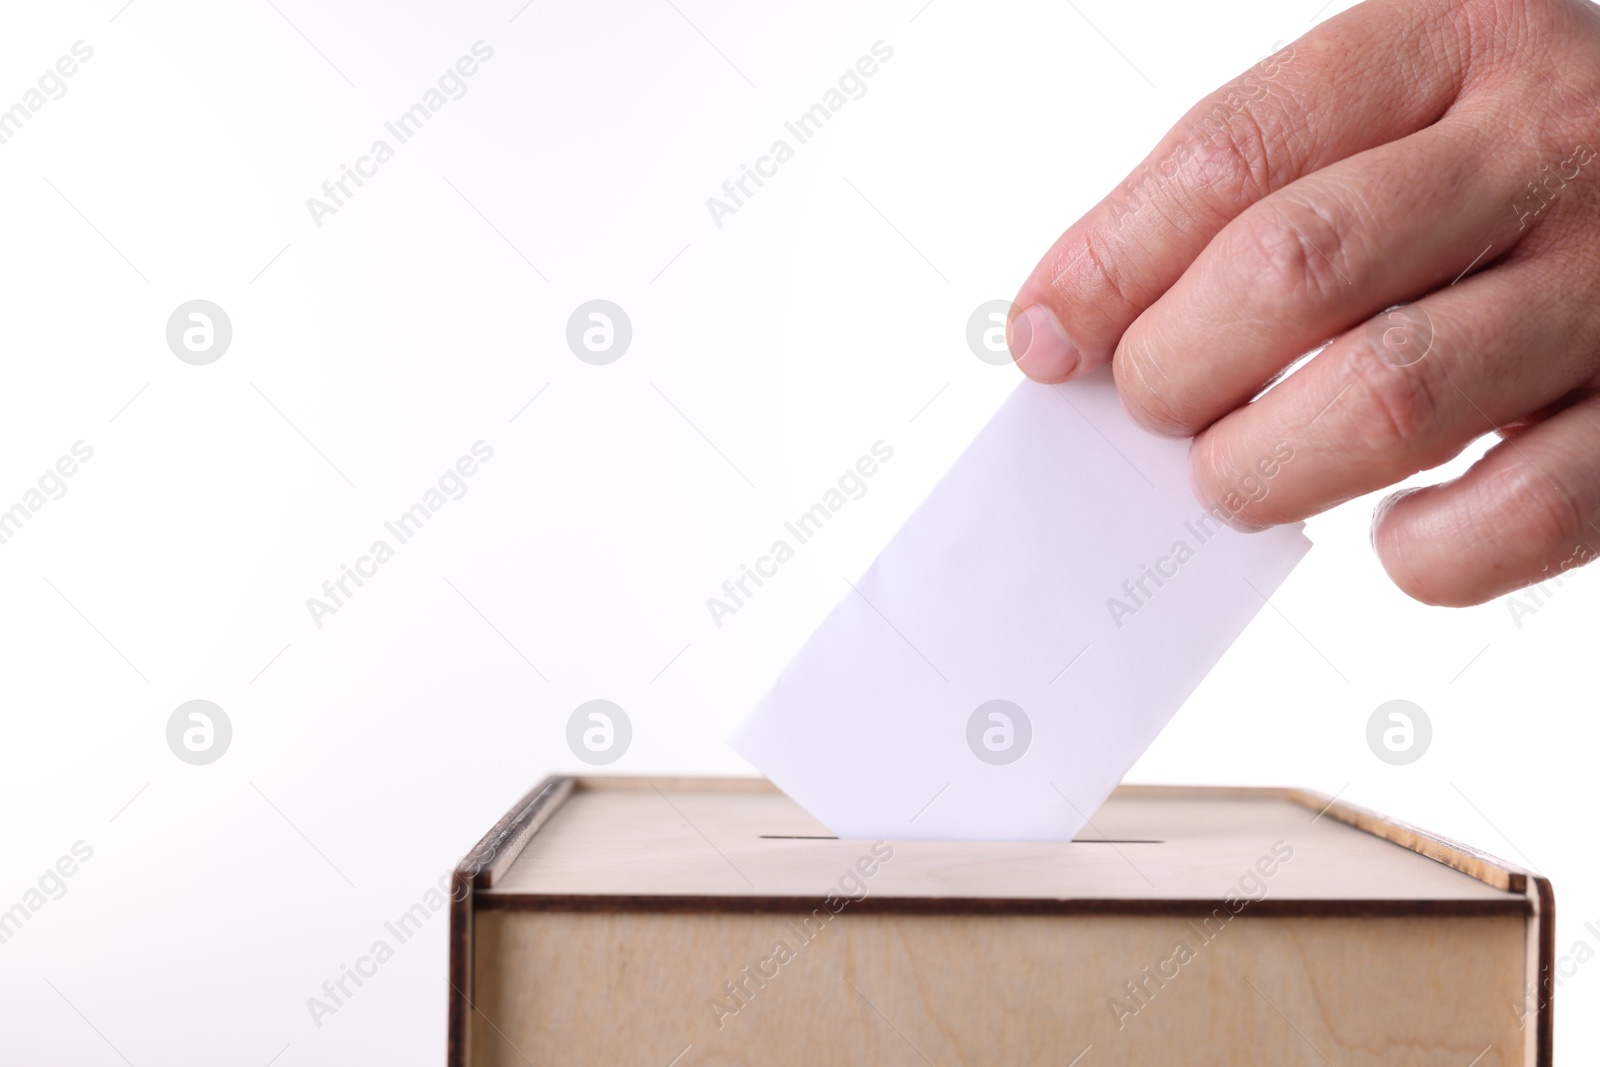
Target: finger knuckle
1094, 275
1547, 511
1291, 253
1242, 138
1397, 408
1230, 159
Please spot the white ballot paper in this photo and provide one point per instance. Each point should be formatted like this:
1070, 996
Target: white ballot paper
1024, 636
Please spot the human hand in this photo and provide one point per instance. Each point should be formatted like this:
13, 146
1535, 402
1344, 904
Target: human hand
1439, 153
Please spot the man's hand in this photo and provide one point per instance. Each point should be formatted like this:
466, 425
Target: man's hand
1440, 155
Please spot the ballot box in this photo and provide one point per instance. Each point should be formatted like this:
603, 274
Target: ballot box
686, 922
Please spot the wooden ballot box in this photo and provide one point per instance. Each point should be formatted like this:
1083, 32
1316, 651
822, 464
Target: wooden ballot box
686, 922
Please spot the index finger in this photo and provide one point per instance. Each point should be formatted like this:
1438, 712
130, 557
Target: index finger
1372, 75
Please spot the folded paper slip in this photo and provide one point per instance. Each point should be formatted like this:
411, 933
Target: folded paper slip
1025, 635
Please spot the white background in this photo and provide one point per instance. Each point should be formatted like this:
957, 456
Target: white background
829, 313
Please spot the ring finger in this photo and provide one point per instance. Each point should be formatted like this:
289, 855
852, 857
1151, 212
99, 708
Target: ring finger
1405, 392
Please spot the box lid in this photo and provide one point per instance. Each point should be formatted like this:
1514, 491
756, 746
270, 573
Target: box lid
741, 844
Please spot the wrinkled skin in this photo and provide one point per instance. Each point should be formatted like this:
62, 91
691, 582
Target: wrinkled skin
1440, 155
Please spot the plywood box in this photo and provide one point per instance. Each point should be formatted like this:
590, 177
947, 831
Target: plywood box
713, 923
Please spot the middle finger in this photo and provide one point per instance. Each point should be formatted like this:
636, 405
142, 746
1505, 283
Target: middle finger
1311, 260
